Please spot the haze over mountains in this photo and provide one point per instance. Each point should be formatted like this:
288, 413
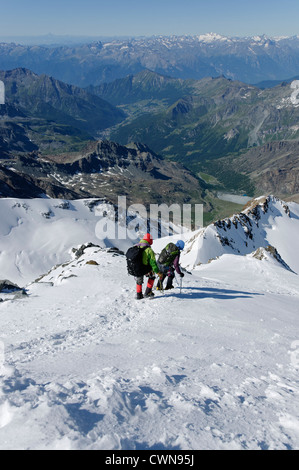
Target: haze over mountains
250, 60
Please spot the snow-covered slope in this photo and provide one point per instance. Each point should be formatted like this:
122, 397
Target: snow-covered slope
86, 366
36, 234
266, 221
83, 365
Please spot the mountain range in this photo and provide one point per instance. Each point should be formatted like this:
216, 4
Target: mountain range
105, 170
49, 147
69, 108
213, 126
231, 136
249, 59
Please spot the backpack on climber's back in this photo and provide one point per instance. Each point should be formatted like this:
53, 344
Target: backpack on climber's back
168, 254
135, 265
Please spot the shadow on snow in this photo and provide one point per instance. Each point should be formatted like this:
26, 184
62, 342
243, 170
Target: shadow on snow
211, 292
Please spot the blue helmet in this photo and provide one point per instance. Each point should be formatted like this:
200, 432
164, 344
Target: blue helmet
180, 244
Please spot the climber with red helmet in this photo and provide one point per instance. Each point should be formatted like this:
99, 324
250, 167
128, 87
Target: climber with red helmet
151, 267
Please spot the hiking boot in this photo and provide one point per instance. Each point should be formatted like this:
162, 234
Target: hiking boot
139, 296
148, 293
169, 287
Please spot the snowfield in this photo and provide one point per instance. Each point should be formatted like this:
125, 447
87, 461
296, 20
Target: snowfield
211, 366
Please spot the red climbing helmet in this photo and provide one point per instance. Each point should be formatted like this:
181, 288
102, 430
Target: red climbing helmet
148, 238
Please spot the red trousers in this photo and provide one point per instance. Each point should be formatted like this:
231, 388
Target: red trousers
139, 282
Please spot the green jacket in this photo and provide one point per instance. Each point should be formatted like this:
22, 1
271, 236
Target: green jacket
148, 256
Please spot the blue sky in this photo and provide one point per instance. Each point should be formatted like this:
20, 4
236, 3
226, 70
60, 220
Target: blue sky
149, 17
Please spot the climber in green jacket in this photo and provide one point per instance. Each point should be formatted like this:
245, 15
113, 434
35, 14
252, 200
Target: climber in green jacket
149, 260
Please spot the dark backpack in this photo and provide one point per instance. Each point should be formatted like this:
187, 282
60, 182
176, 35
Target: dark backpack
135, 265
168, 254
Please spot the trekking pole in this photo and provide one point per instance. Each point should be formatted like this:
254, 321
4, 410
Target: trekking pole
179, 284
162, 287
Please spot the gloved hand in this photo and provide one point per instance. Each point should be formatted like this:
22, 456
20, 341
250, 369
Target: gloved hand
182, 275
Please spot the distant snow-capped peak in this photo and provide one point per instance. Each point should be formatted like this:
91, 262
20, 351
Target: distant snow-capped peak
211, 37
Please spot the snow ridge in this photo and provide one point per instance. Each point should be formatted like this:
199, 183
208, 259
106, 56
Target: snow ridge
256, 226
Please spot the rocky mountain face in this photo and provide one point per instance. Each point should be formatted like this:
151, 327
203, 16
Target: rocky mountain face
103, 169
45, 149
273, 167
43, 97
198, 122
213, 117
262, 230
14, 136
250, 60
44, 115
144, 86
